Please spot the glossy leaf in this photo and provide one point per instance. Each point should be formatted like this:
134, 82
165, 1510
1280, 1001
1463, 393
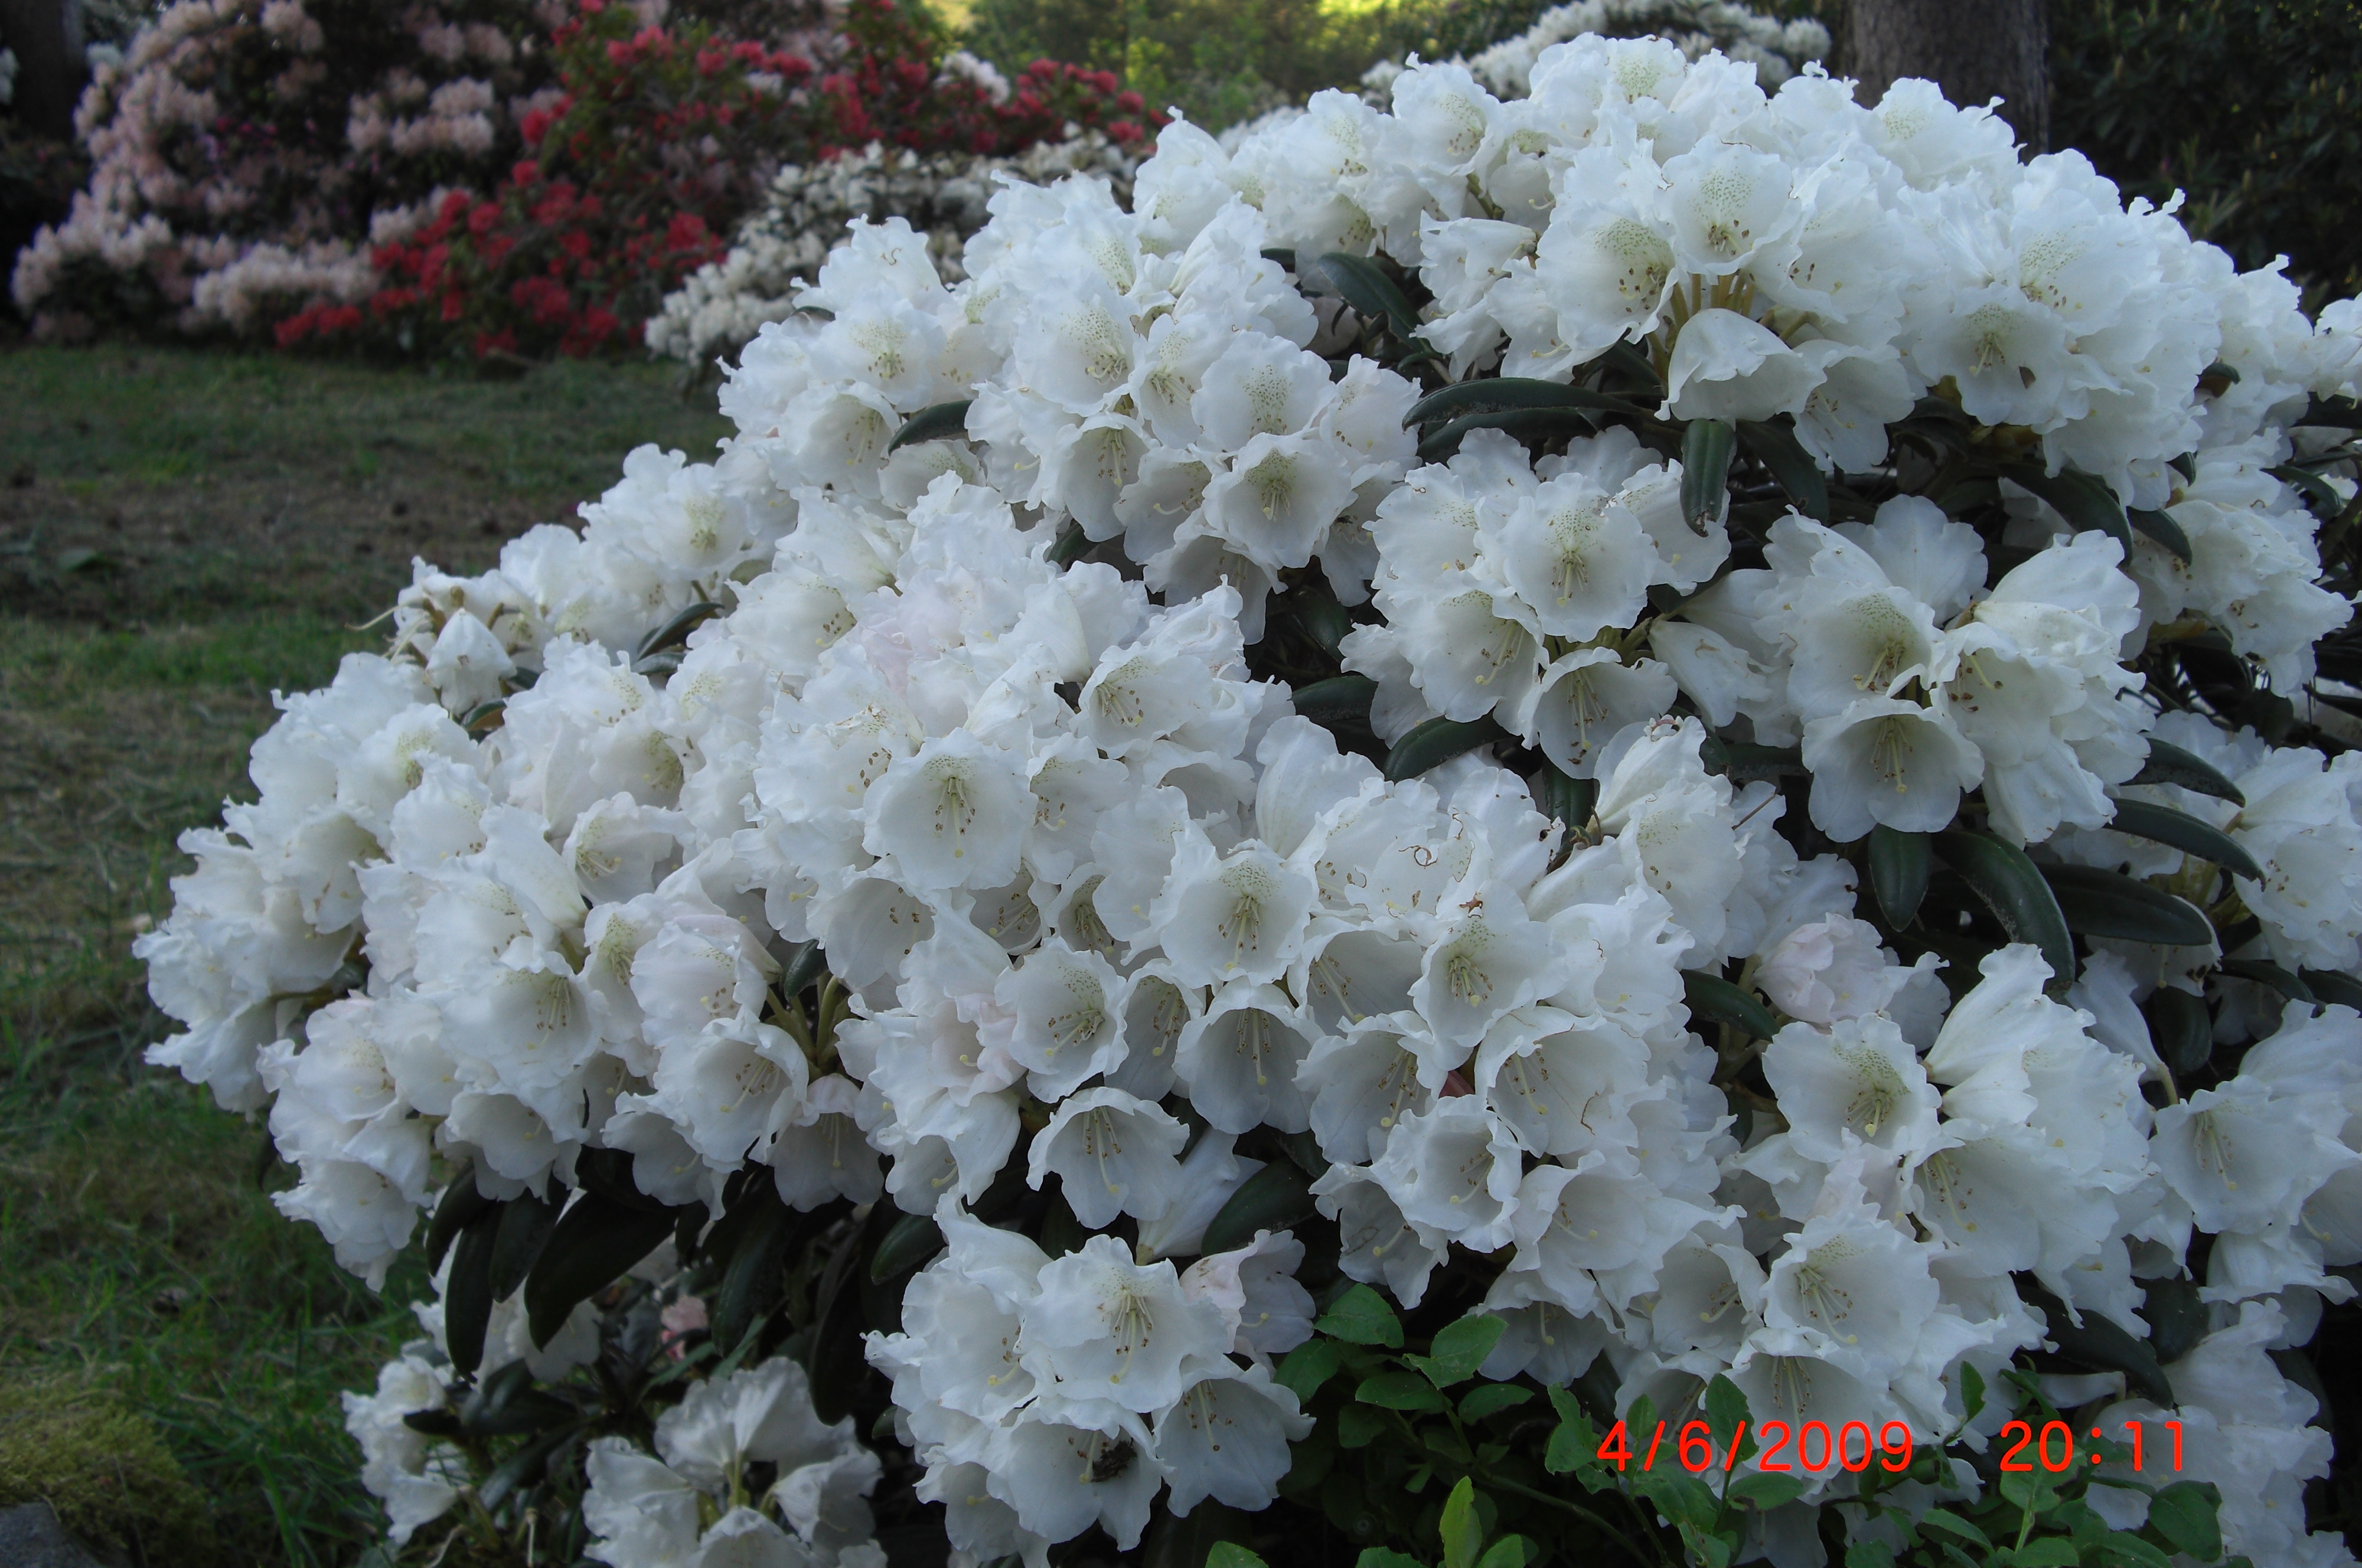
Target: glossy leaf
2163, 824
913, 1240
1362, 1317
2181, 1029
944, 420
1459, 1348
2169, 764
1716, 999
1529, 425
2268, 974
526, 1224
461, 1203
1761, 1490
596, 1241
2161, 527
1775, 446
1707, 449
2185, 1513
2099, 902
1231, 1554
2328, 986
468, 1290
2084, 501
675, 632
1340, 699
1399, 1391
1463, 1533
1310, 1364
2100, 1345
750, 1283
1437, 742
806, 963
2009, 885
1899, 867
1491, 1399
1369, 291
1275, 1198
1511, 393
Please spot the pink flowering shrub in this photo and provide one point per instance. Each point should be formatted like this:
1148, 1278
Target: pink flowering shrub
493, 176
245, 152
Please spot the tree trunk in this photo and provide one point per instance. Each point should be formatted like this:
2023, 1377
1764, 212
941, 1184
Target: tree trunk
1975, 50
46, 36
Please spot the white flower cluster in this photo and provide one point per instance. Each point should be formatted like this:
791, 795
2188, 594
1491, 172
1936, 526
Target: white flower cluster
1777, 50
722, 305
975, 712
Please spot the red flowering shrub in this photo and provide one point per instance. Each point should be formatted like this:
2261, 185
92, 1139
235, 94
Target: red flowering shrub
663, 140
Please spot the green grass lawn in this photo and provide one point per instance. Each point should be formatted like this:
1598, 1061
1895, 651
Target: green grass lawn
181, 534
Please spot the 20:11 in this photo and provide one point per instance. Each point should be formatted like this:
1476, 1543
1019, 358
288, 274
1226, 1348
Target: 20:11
2042, 1445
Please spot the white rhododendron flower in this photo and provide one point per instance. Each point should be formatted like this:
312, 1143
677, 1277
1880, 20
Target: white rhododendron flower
1606, 700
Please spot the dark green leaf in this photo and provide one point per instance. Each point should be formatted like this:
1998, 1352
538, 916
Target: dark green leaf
2324, 502
2001, 874
2142, 818
1776, 448
1358, 1425
2272, 974
2131, 1551
522, 1467
2084, 501
1765, 1491
1509, 1552
1399, 1391
2343, 413
2099, 902
1369, 291
2184, 1513
1744, 762
2100, 1344
1459, 1348
526, 1224
1511, 393
1868, 1554
1725, 1410
912, 1239
2328, 986
2177, 1319
2179, 1028
1569, 801
1340, 699
1070, 547
597, 1239
1231, 1554
2053, 1552
1381, 1557
1898, 864
1681, 1498
942, 420
1437, 742
2169, 764
607, 1173
1527, 425
461, 1203
1463, 1533
1491, 1399
467, 1292
2161, 527
1309, 1365
1706, 449
1573, 1443
1284, 255
1950, 1523
1362, 1317
1712, 997
1274, 1199
675, 632
1972, 1391
809, 964
1317, 610
751, 1284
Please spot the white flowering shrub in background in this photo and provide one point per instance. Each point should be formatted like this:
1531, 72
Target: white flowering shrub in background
720, 307
1276, 872
1777, 49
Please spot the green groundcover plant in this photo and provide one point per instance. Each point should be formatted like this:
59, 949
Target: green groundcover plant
1610, 827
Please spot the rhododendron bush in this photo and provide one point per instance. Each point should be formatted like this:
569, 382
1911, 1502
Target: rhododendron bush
1610, 827
543, 204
